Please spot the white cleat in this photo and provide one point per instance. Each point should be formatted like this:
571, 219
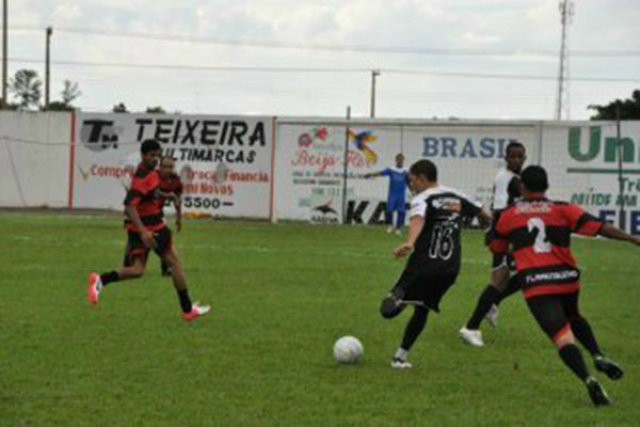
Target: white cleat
397, 363
197, 310
389, 230
471, 337
492, 315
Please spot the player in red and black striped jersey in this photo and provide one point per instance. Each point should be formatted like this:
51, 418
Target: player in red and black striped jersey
539, 232
171, 190
147, 230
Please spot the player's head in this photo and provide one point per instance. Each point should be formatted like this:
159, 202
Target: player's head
167, 166
422, 175
534, 180
150, 151
515, 156
399, 160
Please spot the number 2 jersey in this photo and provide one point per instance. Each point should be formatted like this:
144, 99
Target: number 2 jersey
438, 245
539, 232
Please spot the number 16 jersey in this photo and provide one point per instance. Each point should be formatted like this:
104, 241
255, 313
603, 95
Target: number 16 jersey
438, 245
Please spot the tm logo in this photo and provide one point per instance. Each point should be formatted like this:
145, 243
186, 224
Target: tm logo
612, 146
99, 135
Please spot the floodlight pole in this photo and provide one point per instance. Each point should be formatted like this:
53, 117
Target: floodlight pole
47, 72
374, 74
5, 43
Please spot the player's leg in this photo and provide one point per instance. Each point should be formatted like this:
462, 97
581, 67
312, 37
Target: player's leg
549, 312
412, 331
134, 265
402, 214
583, 332
388, 215
164, 269
167, 254
470, 333
391, 305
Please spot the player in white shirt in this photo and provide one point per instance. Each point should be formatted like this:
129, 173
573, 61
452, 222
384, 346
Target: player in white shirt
506, 189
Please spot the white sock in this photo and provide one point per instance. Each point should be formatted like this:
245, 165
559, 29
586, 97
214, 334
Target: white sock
401, 353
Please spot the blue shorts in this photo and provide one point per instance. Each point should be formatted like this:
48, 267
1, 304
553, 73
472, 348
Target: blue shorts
397, 204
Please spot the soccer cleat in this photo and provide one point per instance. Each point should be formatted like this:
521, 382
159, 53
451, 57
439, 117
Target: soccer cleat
492, 315
94, 289
597, 393
471, 337
196, 311
389, 230
608, 366
398, 363
398, 232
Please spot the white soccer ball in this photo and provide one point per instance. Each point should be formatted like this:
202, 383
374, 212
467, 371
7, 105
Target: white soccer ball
347, 349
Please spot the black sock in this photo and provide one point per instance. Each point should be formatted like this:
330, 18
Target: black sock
185, 301
109, 277
513, 286
488, 297
572, 357
164, 267
414, 327
582, 330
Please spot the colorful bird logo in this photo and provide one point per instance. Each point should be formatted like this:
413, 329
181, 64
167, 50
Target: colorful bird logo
362, 141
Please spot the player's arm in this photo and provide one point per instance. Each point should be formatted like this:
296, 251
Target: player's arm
613, 232
145, 235
178, 205
584, 223
484, 218
385, 172
416, 223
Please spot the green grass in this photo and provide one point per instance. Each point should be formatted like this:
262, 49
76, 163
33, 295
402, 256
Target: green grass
281, 295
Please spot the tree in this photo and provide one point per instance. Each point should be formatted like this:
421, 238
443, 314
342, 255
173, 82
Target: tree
7, 106
70, 92
629, 109
120, 108
27, 88
58, 106
155, 110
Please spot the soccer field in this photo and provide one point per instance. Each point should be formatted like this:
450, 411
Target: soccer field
281, 295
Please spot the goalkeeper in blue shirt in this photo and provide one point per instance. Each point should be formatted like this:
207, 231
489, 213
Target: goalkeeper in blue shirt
397, 190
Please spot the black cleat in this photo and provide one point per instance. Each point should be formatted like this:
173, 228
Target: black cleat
597, 394
609, 367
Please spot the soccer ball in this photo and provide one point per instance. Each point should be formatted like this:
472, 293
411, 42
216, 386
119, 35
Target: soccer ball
347, 349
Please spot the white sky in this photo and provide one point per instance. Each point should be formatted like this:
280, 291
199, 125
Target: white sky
525, 26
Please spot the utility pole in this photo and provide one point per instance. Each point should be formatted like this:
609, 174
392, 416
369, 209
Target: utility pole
5, 20
374, 74
562, 98
47, 69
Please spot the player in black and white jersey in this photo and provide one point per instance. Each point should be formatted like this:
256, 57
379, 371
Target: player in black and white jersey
507, 189
433, 241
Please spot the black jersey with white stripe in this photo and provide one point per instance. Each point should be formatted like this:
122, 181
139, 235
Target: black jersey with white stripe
443, 210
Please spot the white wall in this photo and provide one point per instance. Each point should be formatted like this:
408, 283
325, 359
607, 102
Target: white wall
34, 159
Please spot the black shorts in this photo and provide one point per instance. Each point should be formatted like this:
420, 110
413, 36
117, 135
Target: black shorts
554, 312
502, 260
424, 285
136, 249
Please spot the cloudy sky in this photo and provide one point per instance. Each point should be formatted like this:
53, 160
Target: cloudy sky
444, 58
